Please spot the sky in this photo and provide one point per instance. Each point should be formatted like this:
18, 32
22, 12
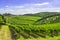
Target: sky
29, 6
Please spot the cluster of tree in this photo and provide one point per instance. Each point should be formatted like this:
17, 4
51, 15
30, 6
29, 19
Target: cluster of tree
6, 14
42, 14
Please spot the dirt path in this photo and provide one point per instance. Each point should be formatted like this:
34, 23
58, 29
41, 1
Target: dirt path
5, 33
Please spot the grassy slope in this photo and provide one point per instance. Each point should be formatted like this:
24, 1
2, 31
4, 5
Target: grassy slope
40, 38
49, 26
5, 33
22, 20
31, 19
27, 19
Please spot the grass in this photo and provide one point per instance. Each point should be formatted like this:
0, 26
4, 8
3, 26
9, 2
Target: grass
23, 28
20, 21
40, 38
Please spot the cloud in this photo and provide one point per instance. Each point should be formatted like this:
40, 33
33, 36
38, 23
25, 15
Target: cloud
6, 6
19, 6
30, 8
45, 3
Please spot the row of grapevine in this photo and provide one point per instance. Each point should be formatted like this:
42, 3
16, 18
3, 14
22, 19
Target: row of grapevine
25, 27
54, 19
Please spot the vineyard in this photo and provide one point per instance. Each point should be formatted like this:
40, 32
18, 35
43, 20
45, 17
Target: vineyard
33, 27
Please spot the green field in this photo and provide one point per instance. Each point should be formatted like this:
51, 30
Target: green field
40, 26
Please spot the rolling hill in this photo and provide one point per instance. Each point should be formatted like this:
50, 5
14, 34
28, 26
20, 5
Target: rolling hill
24, 27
